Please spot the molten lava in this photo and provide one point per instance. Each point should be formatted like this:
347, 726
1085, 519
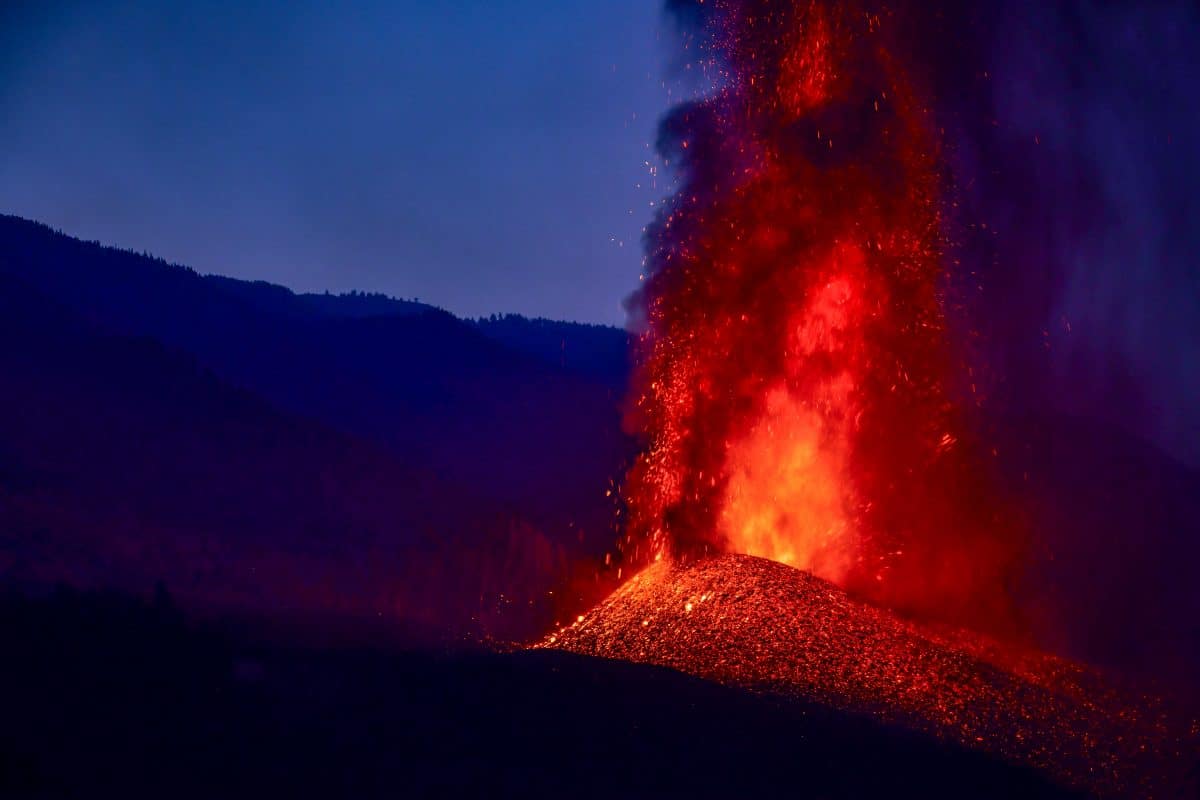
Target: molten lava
764, 626
800, 398
797, 389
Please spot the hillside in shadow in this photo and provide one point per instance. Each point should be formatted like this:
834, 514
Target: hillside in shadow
115, 697
124, 462
338, 454
518, 416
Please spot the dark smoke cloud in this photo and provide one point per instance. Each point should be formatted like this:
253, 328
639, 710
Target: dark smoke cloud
1080, 151
1084, 168
1073, 137
1072, 149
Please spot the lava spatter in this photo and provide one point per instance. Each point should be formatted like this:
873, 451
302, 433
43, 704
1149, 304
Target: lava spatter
794, 373
762, 625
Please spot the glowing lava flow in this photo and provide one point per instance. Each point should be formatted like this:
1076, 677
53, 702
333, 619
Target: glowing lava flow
795, 370
755, 624
798, 397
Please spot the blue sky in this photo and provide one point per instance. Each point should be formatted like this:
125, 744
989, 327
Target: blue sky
485, 156
491, 156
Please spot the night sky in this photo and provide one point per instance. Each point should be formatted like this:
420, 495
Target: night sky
483, 156
491, 156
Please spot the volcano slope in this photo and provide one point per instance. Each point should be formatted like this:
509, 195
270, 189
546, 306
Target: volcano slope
764, 626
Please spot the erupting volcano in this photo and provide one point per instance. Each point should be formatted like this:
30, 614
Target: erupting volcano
767, 627
797, 390
802, 399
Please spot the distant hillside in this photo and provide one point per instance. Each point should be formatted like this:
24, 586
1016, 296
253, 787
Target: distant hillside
283, 301
595, 351
124, 462
481, 404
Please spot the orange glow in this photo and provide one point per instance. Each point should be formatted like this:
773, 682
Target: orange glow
793, 379
786, 495
761, 625
790, 496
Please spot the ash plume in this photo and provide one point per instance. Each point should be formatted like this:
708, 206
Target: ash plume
799, 392
1050, 374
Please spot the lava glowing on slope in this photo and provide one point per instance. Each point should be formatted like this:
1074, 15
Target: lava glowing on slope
795, 371
763, 626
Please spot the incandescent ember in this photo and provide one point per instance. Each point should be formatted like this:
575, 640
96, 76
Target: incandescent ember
798, 389
768, 627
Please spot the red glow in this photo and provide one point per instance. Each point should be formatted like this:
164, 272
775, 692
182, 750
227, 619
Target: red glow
795, 380
763, 626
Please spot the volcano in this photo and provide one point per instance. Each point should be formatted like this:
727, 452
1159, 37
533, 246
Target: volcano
771, 628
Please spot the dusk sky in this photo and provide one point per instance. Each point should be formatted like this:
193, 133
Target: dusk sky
485, 157
489, 156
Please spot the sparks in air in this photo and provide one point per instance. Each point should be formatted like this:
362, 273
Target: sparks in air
796, 388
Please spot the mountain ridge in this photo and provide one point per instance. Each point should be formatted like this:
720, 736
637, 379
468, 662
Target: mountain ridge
424, 383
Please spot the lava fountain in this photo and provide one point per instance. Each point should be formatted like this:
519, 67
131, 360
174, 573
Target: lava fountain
797, 389
801, 398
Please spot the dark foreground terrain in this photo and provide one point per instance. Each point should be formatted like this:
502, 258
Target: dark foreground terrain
752, 623
108, 696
